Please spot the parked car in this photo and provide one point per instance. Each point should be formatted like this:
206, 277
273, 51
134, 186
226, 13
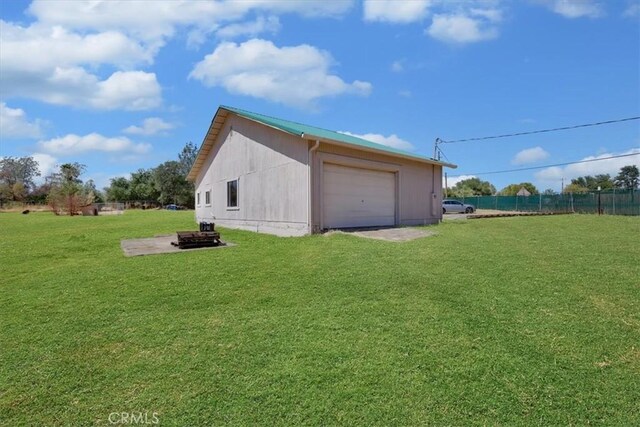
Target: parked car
173, 207
451, 206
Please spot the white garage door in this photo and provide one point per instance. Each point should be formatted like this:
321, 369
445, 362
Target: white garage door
358, 197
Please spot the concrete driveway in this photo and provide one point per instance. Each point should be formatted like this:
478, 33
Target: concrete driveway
399, 234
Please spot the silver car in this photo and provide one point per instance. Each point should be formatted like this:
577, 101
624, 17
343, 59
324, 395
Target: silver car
451, 206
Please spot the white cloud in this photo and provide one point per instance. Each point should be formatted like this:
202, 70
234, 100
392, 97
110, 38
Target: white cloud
295, 75
74, 144
14, 124
396, 11
150, 126
632, 11
530, 155
131, 90
553, 175
54, 70
405, 93
128, 90
150, 24
492, 15
270, 24
392, 140
456, 22
397, 66
460, 28
71, 42
46, 163
155, 24
452, 181
56, 46
575, 8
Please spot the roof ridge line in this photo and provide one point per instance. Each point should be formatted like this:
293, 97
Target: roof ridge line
291, 121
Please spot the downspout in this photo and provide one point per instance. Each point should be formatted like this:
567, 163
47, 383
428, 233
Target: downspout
434, 194
309, 189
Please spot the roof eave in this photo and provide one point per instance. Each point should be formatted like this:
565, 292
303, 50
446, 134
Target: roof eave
221, 113
380, 151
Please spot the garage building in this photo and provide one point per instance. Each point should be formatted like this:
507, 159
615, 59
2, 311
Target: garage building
265, 174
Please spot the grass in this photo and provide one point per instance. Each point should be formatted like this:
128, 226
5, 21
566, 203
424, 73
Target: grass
513, 321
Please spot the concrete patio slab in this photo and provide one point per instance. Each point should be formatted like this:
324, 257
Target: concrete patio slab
402, 234
158, 245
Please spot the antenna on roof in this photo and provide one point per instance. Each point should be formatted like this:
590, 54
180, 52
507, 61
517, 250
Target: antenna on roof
436, 149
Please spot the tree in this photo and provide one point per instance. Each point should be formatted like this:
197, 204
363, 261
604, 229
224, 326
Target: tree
67, 192
187, 157
119, 190
575, 188
19, 191
142, 186
17, 174
89, 188
628, 178
512, 189
593, 182
172, 185
6, 193
39, 194
549, 192
472, 187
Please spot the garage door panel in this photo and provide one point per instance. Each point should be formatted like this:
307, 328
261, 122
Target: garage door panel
355, 197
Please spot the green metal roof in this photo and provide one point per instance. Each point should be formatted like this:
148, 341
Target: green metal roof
300, 129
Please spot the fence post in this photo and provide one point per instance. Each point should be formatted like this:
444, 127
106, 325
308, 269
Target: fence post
613, 200
571, 198
540, 203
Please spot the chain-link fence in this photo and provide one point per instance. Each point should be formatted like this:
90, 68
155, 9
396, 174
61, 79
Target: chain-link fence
142, 204
610, 202
109, 208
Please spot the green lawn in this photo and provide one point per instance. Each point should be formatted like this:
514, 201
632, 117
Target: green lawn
510, 321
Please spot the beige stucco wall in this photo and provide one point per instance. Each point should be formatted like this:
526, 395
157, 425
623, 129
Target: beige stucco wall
418, 185
271, 167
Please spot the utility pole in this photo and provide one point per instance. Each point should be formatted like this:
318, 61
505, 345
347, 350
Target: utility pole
436, 150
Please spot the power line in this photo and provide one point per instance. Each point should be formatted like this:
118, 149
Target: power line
508, 135
550, 166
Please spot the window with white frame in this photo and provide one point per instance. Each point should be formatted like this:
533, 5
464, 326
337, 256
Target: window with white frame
232, 193
207, 197
198, 198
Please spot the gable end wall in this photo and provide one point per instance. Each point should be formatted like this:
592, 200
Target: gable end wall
271, 168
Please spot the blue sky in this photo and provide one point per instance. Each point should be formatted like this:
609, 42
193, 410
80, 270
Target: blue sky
124, 85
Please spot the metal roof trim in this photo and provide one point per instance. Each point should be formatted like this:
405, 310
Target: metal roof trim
303, 131
416, 158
